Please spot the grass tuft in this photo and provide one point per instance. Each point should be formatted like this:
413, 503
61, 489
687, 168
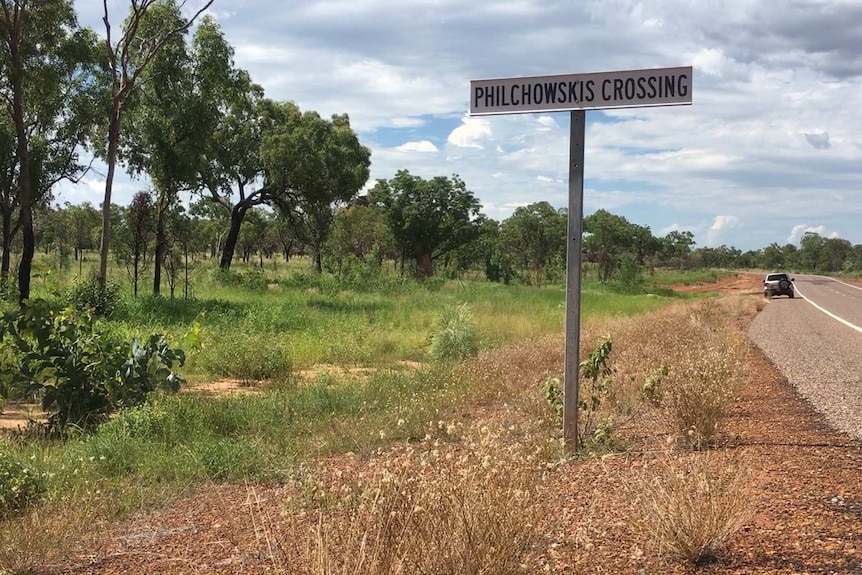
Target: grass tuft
688, 507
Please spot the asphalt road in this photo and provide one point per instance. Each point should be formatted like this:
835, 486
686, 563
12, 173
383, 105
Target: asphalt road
815, 340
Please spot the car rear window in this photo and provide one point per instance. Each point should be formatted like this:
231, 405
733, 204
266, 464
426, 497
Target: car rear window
773, 277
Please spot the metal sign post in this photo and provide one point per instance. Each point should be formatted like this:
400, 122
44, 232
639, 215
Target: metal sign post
577, 93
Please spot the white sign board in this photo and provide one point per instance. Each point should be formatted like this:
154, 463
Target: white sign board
600, 90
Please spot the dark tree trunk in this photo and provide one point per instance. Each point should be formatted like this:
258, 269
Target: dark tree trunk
136, 273
23, 152
161, 248
6, 263
236, 216
425, 267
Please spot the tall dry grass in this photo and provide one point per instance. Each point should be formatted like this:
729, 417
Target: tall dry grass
472, 510
688, 506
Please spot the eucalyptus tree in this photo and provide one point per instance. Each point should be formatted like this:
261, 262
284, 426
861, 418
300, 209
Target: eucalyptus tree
46, 82
316, 165
235, 114
164, 128
428, 218
128, 58
535, 235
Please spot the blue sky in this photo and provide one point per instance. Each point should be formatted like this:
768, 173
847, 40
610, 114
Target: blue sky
770, 148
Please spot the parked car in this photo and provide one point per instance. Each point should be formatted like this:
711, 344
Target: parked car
778, 284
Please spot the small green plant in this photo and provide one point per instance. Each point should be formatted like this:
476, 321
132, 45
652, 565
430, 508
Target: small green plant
552, 389
596, 377
455, 337
21, 484
652, 389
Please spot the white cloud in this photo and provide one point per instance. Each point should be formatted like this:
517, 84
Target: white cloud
717, 233
420, 146
800, 230
470, 133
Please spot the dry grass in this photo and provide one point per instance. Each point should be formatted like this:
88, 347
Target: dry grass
688, 506
45, 535
436, 511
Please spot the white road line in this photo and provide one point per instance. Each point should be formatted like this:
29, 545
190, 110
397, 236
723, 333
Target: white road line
841, 282
829, 313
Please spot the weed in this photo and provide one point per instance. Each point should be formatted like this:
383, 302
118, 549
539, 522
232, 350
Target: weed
89, 295
687, 508
455, 336
698, 394
21, 484
432, 512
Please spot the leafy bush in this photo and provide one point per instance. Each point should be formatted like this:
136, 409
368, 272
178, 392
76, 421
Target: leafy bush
21, 484
596, 378
87, 294
81, 373
455, 337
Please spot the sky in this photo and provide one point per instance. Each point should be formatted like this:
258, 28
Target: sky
770, 148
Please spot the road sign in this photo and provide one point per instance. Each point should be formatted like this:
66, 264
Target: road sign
600, 90
577, 93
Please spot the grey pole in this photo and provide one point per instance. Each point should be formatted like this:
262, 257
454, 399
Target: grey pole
573, 278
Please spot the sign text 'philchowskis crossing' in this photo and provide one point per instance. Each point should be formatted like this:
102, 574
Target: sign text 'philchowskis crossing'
623, 89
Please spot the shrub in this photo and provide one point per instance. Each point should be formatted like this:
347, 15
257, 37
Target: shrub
81, 373
254, 279
21, 484
455, 337
88, 295
687, 508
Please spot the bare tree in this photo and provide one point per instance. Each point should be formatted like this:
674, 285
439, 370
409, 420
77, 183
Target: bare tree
128, 59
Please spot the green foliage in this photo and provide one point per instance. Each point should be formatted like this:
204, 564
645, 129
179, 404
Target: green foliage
596, 381
88, 295
535, 237
428, 218
455, 337
652, 388
253, 279
252, 358
552, 389
629, 274
81, 373
21, 484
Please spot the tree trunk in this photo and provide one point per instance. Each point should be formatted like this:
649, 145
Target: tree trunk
161, 245
23, 152
236, 216
135, 273
5, 265
318, 264
425, 267
186, 279
113, 144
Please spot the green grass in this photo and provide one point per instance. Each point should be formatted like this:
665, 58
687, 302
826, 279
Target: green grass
668, 277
